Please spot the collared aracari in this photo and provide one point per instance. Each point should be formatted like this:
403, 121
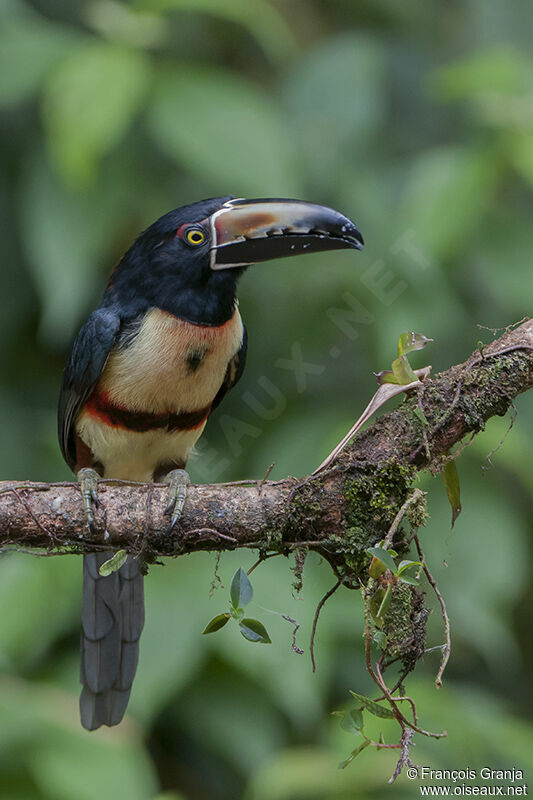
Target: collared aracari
145, 372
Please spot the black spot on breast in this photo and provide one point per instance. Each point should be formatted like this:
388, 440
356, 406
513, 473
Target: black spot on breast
195, 358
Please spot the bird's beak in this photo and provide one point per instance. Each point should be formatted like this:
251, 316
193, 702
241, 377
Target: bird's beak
247, 231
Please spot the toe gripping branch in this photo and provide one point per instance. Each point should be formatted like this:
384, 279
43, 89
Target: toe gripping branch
178, 480
88, 480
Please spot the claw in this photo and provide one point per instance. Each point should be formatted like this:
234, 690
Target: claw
178, 481
88, 480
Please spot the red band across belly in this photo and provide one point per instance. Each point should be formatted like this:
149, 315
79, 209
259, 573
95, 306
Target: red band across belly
117, 417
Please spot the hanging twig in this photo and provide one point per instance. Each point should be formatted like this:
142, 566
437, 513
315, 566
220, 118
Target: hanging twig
315, 621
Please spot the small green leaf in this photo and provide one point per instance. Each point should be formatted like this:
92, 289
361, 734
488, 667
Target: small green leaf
384, 556
403, 371
241, 591
376, 568
375, 604
403, 565
353, 721
450, 476
385, 603
409, 579
216, 623
410, 341
354, 753
254, 631
113, 564
385, 376
374, 708
380, 640
421, 416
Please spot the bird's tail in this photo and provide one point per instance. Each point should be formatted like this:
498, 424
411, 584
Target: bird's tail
112, 621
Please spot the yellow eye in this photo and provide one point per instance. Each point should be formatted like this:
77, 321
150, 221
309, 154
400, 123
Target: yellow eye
195, 236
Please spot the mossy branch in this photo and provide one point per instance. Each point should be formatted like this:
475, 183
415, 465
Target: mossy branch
338, 512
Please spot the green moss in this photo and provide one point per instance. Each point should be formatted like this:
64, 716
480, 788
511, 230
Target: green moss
271, 541
417, 512
300, 554
372, 501
397, 625
303, 508
374, 498
351, 547
405, 625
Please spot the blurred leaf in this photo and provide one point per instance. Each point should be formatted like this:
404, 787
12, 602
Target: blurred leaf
224, 130
120, 22
450, 476
519, 147
336, 97
501, 69
384, 556
216, 623
113, 564
254, 631
170, 796
263, 21
62, 243
241, 591
90, 101
353, 721
448, 191
220, 694
29, 47
172, 650
374, 708
38, 602
71, 766
482, 611
298, 773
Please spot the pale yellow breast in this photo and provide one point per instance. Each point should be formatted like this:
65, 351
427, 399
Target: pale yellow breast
171, 365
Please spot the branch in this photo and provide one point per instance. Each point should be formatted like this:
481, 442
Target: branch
337, 512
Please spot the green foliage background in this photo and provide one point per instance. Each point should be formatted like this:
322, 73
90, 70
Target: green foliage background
415, 119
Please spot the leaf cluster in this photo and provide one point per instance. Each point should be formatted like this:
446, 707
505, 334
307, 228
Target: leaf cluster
241, 594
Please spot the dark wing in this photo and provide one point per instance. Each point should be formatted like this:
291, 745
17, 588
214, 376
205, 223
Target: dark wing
234, 370
87, 360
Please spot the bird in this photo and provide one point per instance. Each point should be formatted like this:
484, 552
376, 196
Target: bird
146, 370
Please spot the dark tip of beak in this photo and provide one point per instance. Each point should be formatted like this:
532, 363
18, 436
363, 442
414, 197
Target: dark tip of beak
249, 231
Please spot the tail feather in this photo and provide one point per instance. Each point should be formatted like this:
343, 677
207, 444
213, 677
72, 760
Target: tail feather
112, 621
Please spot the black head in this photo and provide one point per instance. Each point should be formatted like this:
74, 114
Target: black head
188, 262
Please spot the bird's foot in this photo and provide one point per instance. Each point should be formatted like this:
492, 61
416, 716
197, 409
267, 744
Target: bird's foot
88, 480
178, 481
